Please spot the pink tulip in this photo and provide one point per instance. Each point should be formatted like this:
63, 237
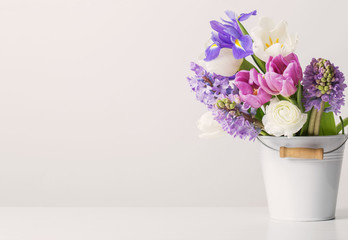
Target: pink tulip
249, 88
282, 75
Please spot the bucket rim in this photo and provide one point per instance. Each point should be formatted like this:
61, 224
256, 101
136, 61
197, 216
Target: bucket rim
305, 137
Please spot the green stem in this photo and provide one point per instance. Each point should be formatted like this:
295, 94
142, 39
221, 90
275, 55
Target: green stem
318, 119
312, 121
261, 64
339, 127
299, 97
304, 129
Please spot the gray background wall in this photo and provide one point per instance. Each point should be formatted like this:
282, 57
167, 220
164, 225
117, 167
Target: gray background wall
95, 108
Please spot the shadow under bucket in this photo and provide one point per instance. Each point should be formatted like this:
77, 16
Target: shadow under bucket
302, 189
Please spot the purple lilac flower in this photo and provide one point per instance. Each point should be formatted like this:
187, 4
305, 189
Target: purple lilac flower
229, 35
323, 82
208, 86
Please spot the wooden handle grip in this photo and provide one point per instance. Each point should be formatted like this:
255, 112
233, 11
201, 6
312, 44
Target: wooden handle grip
306, 153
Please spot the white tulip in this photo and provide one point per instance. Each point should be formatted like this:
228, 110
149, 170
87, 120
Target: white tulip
209, 127
272, 40
225, 64
283, 118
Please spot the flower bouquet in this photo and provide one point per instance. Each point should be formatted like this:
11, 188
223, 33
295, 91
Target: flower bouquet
254, 87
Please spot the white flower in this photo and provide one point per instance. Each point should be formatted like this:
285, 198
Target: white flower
272, 40
209, 127
225, 64
283, 118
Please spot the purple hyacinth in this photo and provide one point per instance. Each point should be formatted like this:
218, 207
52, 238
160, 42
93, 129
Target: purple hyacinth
323, 82
236, 126
222, 98
235, 118
208, 86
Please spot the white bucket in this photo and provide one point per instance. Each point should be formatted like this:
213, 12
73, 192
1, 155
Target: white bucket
302, 189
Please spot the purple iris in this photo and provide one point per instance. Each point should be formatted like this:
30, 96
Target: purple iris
244, 16
229, 35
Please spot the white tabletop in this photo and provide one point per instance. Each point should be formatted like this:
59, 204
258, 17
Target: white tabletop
191, 223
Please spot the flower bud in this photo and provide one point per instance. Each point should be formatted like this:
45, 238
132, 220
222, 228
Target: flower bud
220, 104
209, 127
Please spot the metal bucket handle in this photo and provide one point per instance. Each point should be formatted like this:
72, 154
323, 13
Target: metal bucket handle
304, 153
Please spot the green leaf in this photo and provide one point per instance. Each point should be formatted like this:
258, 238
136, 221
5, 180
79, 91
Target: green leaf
339, 126
280, 97
263, 133
261, 64
321, 133
342, 124
327, 123
293, 101
259, 114
246, 65
244, 31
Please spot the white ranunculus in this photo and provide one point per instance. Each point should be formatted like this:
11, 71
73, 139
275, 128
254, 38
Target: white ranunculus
225, 64
283, 118
272, 40
209, 127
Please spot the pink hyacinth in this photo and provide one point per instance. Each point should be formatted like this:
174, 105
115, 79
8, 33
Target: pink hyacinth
282, 75
249, 88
